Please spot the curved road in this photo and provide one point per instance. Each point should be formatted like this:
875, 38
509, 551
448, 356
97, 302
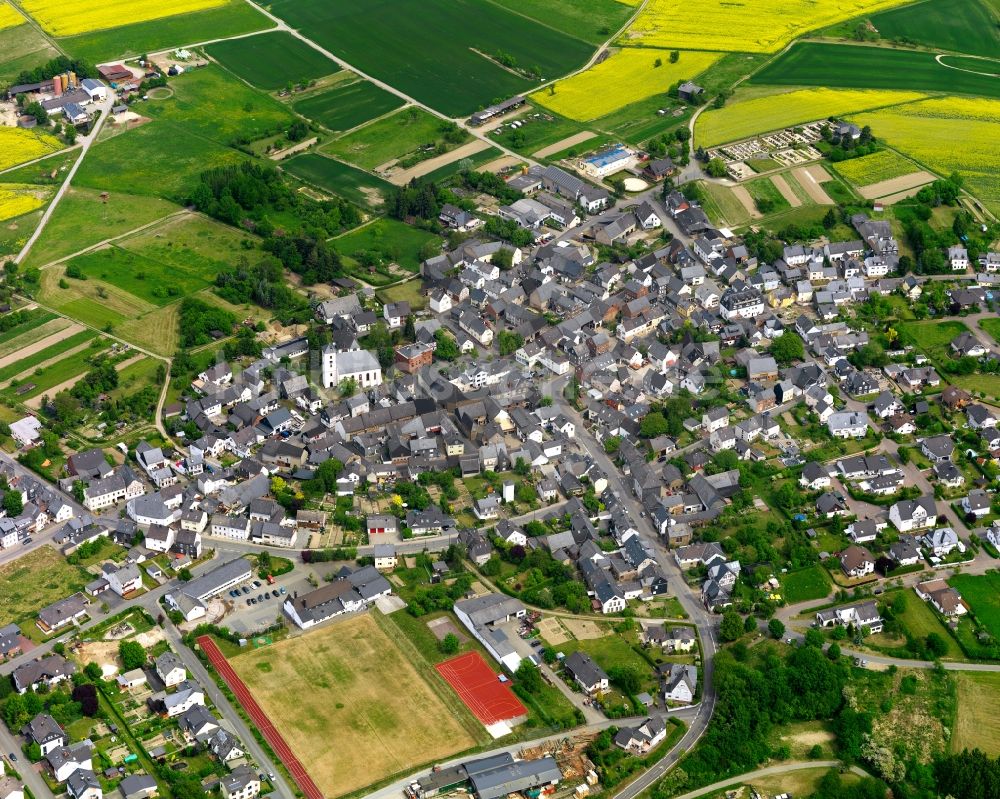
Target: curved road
770, 771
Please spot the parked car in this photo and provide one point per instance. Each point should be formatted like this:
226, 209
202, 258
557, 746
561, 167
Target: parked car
260, 597
282, 590
252, 601
26, 541
246, 589
13, 757
256, 583
249, 602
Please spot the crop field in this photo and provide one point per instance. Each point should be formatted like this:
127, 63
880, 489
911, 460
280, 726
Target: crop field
754, 26
740, 119
215, 105
17, 199
229, 18
272, 60
357, 679
591, 20
156, 159
627, 76
40, 325
928, 131
870, 169
392, 137
44, 354
35, 580
150, 280
963, 26
338, 178
805, 584
982, 594
978, 722
18, 145
854, 67
50, 379
22, 46
82, 219
438, 51
9, 16
61, 18
345, 107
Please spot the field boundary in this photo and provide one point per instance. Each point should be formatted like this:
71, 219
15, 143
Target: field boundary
260, 718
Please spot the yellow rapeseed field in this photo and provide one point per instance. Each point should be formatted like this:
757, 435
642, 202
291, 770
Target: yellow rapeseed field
871, 169
18, 145
9, 16
627, 76
739, 120
948, 134
746, 26
18, 198
65, 18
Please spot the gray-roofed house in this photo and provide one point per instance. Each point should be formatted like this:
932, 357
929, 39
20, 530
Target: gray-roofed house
586, 673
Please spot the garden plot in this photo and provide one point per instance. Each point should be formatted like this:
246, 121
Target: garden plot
897, 186
786, 191
810, 178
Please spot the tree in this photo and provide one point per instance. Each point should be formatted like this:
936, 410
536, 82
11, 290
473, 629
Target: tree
674, 56
93, 671
509, 342
814, 638
749, 624
447, 347
627, 678
776, 628
788, 348
716, 167
731, 627
529, 677
936, 645
13, 503
184, 575
611, 444
132, 654
449, 644
653, 424
86, 695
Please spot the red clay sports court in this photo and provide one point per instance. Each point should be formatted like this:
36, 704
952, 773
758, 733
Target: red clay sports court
271, 734
480, 688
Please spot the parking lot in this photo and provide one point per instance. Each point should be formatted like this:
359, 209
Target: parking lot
257, 605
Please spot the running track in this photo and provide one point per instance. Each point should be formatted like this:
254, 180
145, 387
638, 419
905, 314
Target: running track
259, 717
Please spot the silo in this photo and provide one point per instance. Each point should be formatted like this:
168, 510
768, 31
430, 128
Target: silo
57, 87
72, 80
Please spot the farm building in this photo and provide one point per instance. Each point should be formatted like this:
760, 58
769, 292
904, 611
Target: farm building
609, 161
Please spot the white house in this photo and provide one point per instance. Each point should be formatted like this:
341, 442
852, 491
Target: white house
913, 514
680, 683
358, 365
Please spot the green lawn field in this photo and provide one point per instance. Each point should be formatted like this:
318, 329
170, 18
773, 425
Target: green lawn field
213, 104
22, 47
982, 593
338, 178
991, 326
933, 337
764, 190
402, 242
612, 650
156, 159
345, 107
591, 20
854, 67
130, 41
437, 51
977, 725
805, 584
150, 280
35, 580
396, 136
83, 219
964, 26
272, 60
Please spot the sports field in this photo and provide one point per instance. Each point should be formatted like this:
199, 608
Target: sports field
871, 169
230, 18
948, 134
963, 26
854, 67
756, 26
438, 51
344, 696
625, 77
479, 687
338, 178
272, 60
345, 107
740, 119
978, 722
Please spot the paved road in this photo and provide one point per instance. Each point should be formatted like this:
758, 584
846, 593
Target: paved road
703, 620
105, 109
32, 779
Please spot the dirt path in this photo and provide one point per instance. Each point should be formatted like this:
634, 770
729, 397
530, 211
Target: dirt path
809, 179
559, 146
295, 148
35, 402
786, 191
741, 194
27, 373
404, 176
892, 186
